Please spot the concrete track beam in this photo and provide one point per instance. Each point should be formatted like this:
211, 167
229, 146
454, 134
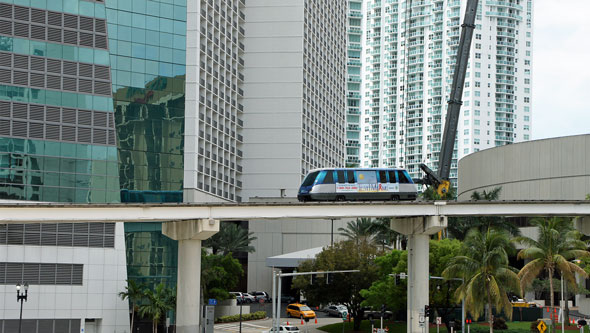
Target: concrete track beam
418, 230
189, 235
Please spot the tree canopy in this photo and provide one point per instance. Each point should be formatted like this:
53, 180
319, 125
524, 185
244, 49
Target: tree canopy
556, 245
487, 277
219, 274
344, 288
230, 238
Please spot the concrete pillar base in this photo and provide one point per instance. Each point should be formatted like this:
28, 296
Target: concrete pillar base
418, 230
189, 235
582, 224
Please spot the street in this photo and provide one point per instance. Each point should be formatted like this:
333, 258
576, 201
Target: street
265, 324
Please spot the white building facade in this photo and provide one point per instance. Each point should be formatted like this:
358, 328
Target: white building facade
214, 68
353, 83
408, 62
294, 93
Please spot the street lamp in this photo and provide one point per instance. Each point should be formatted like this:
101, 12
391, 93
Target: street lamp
21, 296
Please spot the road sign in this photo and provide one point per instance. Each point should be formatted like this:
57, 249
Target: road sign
402, 275
344, 315
438, 320
261, 301
542, 327
212, 301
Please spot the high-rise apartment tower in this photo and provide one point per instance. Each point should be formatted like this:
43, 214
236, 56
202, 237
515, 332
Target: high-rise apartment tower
353, 83
409, 58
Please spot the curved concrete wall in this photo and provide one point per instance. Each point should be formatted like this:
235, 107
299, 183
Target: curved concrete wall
549, 169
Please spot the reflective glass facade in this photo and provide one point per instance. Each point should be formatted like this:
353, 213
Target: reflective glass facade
147, 41
57, 133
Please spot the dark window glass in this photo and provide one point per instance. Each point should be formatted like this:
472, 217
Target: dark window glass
329, 178
402, 177
341, 178
350, 175
310, 179
392, 177
383, 176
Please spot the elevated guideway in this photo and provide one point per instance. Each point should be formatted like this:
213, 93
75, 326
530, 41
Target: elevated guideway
11, 212
189, 224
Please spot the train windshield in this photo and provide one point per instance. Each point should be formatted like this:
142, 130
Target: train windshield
308, 181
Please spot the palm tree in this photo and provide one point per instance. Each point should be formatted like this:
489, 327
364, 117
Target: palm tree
487, 277
359, 230
552, 251
459, 226
384, 235
134, 293
158, 302
231, 238
489, 196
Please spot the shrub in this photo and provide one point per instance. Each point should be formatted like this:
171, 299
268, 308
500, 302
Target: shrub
248, 316
500, 324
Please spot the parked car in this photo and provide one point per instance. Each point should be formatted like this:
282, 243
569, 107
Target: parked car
285, 329
300, 311
369, 313
238, 295
287, 299
248, 298
336, 310
258, 295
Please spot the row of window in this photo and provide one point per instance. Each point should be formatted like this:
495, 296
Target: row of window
59, 234
365, 177
41, 274
40, 325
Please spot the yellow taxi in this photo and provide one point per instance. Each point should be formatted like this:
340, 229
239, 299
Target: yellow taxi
300, 311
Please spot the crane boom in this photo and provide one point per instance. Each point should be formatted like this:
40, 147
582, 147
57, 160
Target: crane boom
441, 179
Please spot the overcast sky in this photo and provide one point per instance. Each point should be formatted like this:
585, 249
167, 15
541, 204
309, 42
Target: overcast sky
561, 68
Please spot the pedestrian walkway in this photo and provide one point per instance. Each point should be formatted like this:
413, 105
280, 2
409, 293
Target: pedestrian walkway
265, 324
246, 327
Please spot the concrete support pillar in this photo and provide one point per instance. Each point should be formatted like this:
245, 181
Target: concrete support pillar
582, 224
418, 230
189, 235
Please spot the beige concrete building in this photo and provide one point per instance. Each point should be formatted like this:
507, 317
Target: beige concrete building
549, 169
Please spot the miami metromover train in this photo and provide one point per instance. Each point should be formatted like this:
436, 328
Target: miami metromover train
334, 184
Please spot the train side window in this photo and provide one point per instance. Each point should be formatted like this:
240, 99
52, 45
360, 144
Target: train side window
341, 178
402, 177
392, 178
383, 176
350, 175
329, 178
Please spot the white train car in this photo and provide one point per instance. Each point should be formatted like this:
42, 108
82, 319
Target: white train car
362, 184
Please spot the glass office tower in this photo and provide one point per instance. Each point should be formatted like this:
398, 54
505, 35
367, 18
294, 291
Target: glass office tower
147, 53
58, 143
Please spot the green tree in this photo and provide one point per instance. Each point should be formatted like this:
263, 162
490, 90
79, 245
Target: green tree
134, 294
556, 245
361, 230
157, 303
492, 195
230, 238
343, 288
383, 234
487, 277
460, 226
219, 274
386, 289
